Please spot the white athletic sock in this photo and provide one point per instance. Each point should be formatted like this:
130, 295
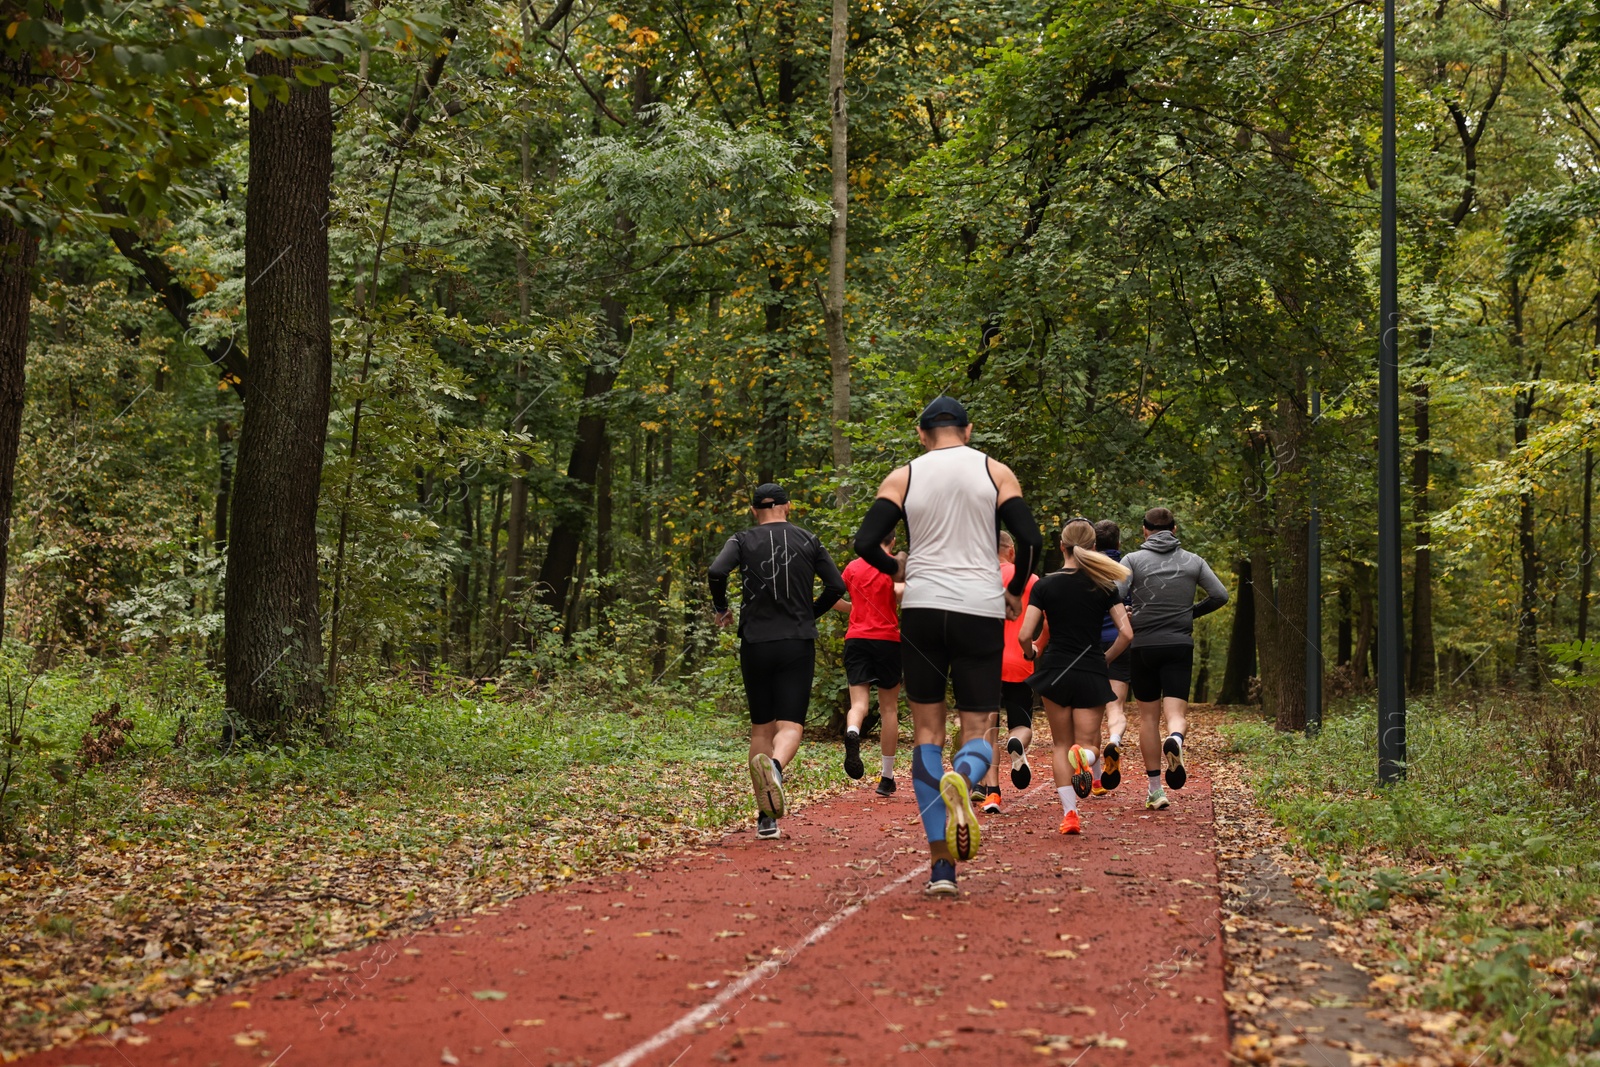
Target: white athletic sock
1155, 783
1069, 799
888, 766
851, 731
1116, 739
1094, 763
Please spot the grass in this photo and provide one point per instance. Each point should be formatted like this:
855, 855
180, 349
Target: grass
176, 870
1481, 869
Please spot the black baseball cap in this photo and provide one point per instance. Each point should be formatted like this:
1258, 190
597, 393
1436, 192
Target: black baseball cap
767, 495
943, 411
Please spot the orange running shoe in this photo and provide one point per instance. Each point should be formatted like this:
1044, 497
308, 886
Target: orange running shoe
992, 805
1070, 824
1082, 767
1098, 790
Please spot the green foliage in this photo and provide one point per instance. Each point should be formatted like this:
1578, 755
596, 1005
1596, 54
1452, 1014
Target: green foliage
1582, 656
1508, 857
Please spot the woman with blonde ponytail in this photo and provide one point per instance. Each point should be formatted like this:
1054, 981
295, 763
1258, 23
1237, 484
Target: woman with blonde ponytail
1071, 675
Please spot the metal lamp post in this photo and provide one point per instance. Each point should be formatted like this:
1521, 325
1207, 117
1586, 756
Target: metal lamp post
1391, 635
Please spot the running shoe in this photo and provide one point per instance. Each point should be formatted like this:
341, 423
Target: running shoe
885, 786
1021, 772
1070, 824
943, 881
961, 822
1111, 766
1157, 801
1172, 749
770, 800
1082, 770
767, 827
852, 756
992, 805
1098, 790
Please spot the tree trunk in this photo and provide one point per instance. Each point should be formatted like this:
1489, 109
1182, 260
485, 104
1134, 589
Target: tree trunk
772, 437
658, 661
1291, 573
1240, 665
833, 306
1422, 658
274, 636
1266, 622
1346, 630
225, 458
517, 510
1586, 534
1364, 619
604, 520
19, 251
1202, 675
1282, 632
561, 553
1529, 669
461, 617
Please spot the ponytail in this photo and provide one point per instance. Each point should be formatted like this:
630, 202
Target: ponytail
1077, 542
1105, 571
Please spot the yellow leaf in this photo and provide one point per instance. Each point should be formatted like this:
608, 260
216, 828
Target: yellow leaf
240, 1004
196, 18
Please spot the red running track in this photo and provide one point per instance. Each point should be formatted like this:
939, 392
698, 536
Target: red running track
818, 948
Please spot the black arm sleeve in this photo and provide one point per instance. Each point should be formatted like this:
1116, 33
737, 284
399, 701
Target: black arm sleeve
721, 567
832, 583
1030, 542
881, 518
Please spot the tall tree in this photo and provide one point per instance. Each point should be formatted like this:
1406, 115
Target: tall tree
19, 250
833, 303
273, 644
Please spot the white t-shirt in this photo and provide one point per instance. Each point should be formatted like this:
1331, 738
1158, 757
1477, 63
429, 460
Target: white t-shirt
950, 519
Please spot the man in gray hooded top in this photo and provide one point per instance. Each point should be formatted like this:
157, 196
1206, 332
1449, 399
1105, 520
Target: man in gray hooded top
1161, 593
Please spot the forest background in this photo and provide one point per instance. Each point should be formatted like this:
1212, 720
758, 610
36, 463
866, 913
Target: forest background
354, 355
576, 303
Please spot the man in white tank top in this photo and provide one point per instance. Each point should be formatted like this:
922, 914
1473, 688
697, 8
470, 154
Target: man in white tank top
953, 613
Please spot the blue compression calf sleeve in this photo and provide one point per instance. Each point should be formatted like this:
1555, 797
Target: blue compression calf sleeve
972, 761
927, 765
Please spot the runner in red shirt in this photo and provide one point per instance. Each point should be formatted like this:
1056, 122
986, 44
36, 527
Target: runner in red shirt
872, 658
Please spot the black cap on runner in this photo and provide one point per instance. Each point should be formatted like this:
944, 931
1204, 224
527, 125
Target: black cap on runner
944, 411
767, 495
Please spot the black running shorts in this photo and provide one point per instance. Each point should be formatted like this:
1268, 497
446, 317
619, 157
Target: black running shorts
777, 678
1117, 669
1017, 698
1074, 688
1161, 671
868, 661
939, 647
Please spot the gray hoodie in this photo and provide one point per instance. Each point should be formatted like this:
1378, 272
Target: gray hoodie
1161, 591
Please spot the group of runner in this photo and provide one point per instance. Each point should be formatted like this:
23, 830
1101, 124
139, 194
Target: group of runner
961, 610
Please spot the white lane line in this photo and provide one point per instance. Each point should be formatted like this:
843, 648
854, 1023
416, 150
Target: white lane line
767, 969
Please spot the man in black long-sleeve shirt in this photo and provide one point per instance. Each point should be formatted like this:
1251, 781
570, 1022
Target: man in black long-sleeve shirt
778, 563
